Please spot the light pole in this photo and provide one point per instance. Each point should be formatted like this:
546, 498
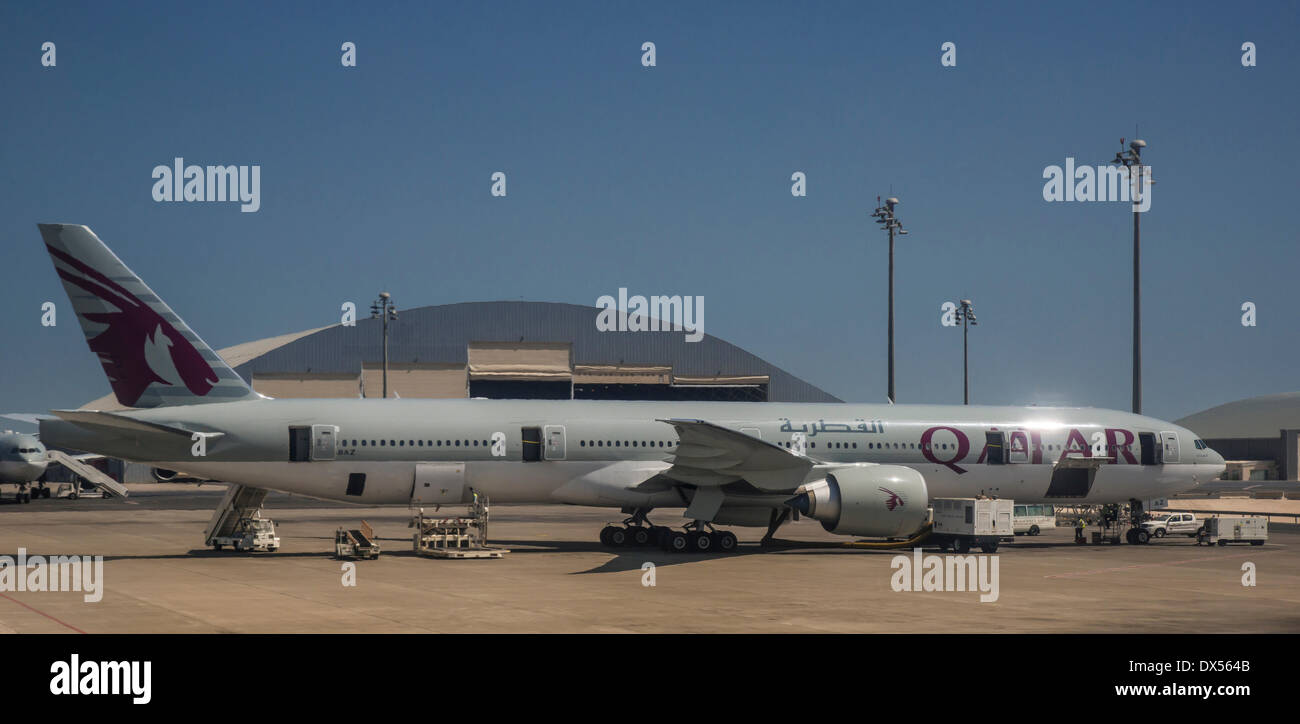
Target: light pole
1132, 160
884, 216
383, 308
965, 315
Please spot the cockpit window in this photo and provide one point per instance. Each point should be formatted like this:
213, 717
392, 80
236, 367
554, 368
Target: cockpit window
1200, 445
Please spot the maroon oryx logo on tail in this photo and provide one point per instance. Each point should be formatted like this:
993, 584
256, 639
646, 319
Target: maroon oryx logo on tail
137, 347
893, 501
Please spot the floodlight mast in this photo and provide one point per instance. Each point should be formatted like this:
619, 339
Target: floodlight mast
965, 315
384, 309
1132, 160
884, 215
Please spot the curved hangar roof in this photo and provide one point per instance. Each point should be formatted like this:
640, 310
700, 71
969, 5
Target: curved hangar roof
496, 340
1255, 417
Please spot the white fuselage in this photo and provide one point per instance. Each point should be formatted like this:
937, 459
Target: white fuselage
22, 458
600, 452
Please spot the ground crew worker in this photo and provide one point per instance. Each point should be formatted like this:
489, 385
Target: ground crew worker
1079, 525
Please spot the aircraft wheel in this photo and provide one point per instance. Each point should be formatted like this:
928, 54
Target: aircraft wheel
727, 541
618, 537
701, 542
676, 542
1142, 537
638, 535
604, 534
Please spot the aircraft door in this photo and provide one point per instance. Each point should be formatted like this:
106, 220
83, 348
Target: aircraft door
1150, 448
532, 447
299, 444
1170, 452
995, 445
438, 483
323, 441
554, 436
1018, 447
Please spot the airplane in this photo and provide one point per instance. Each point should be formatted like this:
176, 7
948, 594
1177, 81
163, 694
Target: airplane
22, 463
864, 470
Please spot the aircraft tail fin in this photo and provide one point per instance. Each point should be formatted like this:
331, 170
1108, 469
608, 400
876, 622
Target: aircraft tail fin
152, 358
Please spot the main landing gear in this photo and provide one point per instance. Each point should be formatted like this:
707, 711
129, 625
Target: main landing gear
696, 537
26, 493
1136, 535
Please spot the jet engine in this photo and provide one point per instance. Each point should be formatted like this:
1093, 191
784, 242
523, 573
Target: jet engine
887, 501
164, 476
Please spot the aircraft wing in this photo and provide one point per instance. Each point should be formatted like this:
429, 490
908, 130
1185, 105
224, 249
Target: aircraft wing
710, 455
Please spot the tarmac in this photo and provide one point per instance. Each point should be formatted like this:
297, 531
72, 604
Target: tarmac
159, 578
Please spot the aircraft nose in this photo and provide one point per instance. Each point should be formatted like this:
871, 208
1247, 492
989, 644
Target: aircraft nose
1216, 466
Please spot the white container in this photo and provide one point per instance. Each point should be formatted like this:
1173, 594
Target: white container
973, 517
1227, 529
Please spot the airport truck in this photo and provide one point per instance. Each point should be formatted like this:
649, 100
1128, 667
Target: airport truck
1173, 524
1225, 529
963, 523
251, 533
356, 542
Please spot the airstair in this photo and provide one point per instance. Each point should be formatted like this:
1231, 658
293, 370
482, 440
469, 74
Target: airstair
241, 502
89, 473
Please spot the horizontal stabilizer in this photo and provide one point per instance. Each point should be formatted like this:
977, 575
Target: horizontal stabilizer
130, 424
29, 418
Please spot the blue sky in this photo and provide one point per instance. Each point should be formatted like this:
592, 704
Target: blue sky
676, 179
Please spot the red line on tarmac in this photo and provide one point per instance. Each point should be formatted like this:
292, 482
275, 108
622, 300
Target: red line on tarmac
1149, 565
46, 615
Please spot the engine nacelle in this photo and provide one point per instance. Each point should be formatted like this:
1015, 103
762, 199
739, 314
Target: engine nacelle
163, 475
887, 501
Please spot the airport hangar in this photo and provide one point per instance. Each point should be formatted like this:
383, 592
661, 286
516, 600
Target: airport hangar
516, 350
1258, 436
